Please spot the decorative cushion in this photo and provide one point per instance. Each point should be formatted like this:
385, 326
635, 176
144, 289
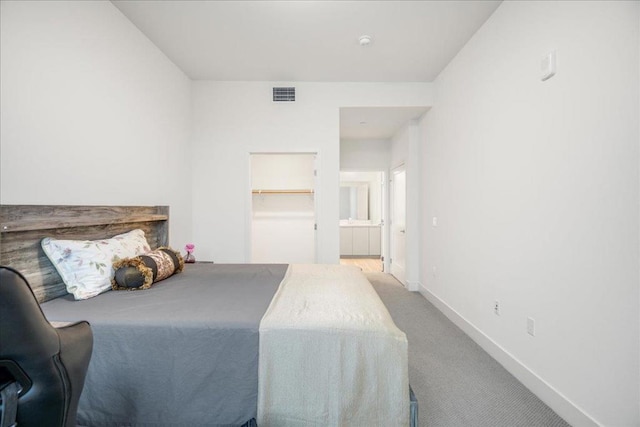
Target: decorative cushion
86, 266
140, 272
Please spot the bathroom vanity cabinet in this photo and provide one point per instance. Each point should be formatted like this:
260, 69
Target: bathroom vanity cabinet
360, 240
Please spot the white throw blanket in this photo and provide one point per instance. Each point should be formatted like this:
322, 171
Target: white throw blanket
330, 354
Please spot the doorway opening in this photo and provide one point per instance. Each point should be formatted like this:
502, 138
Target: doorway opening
361, 219
283, 208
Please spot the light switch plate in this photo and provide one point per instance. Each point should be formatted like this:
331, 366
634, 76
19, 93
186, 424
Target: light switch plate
548, 66
531, 326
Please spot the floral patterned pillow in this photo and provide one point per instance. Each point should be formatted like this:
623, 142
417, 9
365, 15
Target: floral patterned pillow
86, 266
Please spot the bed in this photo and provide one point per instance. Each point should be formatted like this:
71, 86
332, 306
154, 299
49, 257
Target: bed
219, 345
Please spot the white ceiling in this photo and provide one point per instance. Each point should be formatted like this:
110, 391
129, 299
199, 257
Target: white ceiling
289, 41
376, 122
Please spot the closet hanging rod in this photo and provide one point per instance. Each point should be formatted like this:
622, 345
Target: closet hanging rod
310, 191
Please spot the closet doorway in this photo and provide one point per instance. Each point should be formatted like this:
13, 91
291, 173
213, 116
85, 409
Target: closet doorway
283, 208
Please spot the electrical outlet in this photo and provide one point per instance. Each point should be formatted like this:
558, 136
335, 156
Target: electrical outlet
496, 307
531, 326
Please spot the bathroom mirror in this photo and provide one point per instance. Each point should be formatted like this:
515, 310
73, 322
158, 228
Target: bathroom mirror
354, 200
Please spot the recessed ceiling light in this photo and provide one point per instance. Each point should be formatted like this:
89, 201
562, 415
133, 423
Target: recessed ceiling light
365, 40
363, 122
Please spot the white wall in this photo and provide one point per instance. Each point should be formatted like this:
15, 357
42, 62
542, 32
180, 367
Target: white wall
535, 185
365, 155
233, 119
282, 229
91, 112
405, 150
275, 171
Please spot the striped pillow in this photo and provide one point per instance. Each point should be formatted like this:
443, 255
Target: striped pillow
142, 271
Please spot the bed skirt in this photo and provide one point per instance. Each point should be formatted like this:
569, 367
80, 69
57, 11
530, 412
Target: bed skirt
413, 408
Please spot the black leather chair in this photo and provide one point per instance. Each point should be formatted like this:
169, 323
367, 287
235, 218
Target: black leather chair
48, 365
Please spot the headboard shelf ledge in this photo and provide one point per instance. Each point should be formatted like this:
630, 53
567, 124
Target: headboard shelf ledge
56, 223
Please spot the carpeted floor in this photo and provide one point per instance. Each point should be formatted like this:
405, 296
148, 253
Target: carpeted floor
457, 384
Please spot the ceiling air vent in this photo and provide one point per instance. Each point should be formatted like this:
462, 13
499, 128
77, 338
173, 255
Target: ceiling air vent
284, 94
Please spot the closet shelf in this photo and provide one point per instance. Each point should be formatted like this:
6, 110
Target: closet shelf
301, 191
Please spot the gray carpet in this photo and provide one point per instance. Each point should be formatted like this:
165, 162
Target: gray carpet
457, 384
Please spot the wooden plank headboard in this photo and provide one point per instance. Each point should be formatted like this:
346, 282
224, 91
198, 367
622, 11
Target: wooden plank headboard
22, 227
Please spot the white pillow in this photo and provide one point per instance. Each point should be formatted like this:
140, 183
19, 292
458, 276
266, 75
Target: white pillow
86, 266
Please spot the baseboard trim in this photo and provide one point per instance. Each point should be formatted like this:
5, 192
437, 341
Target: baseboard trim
413, 286
571, 412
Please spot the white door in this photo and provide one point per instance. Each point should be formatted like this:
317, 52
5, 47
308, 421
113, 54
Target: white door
398, 223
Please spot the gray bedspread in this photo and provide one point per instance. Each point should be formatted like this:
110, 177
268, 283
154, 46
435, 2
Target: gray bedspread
183, 353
